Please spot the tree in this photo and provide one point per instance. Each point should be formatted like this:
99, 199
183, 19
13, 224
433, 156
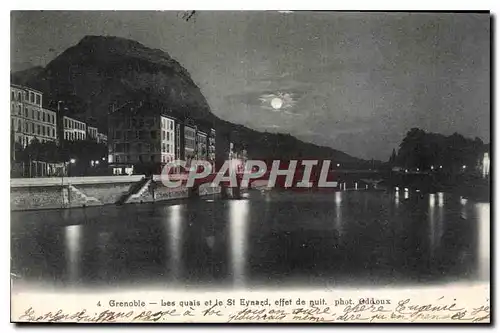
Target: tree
425, 150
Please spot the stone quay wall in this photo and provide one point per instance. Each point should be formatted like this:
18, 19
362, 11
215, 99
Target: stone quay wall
58, 193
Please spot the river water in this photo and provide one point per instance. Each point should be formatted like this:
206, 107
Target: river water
266, 239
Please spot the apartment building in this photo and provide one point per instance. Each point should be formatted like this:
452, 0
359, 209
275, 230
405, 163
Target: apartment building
29, 120
167, 139
74, 129
201, 146
102, 138
211, 146
92, 133
140, 136
189, 143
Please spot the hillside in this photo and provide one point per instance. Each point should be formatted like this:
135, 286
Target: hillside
101, 71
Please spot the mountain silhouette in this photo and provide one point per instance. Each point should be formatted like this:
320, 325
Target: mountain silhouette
101, 71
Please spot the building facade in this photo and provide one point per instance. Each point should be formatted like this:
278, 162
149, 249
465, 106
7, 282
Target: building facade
167, 139
102, 138
74, 129
189, 143
141, 139
146, 137
92, 133
29, 120
211, 147
201, 146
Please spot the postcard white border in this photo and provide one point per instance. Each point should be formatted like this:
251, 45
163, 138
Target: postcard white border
199, 4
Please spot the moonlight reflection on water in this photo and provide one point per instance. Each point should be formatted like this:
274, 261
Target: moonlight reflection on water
268, 239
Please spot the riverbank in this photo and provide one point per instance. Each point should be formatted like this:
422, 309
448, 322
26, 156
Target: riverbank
57, 193
467, 186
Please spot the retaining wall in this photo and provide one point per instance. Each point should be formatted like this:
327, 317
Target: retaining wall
53, 193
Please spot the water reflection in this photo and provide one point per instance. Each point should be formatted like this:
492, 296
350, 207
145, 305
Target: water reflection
272, 237
239, 215
338, 212
73, 244
175, 225
435, 221
483, 213
463, 211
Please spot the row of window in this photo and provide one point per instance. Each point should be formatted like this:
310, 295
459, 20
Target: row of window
143, 158
73, 124
167, 135
72, 136
135, 135
33, 128
40, 115
134, 158
139, 147
134, 122
30, 96
25, 140
167, 148
92, 131
190, 142
167, 123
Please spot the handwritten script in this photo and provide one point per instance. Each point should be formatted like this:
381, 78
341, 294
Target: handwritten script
404, 310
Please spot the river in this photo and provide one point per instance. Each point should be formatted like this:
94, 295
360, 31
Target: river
266, 239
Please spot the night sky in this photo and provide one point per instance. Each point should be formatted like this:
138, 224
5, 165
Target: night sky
356, 82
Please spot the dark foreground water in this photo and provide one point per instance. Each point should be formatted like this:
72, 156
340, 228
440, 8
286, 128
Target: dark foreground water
264, 240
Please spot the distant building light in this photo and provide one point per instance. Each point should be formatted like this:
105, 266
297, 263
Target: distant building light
418, 169
486, 164
432, 167
464, 166
440, 167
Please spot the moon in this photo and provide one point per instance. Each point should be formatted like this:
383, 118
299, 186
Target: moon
276, 103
